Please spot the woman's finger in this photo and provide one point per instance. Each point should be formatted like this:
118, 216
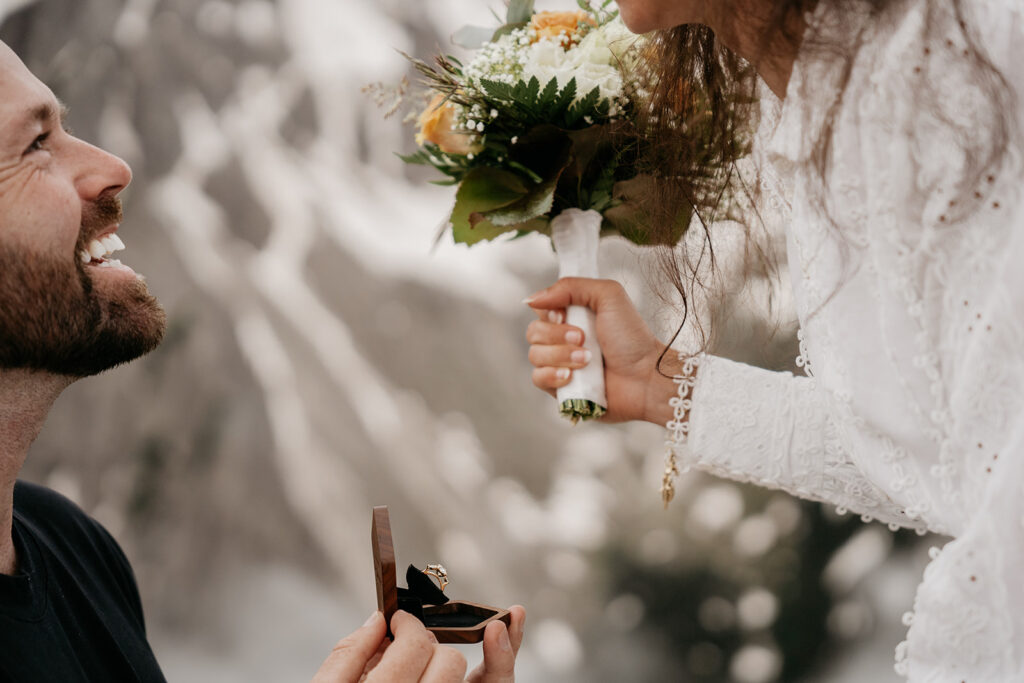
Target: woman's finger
563, 356
350, 656
575, 291
551, 315
550, 379
543, 332
408, 655
448, 665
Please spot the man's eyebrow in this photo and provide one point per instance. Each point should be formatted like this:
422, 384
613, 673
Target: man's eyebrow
46, 112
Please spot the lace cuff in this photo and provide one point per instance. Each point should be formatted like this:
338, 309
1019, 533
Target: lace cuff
679, 424
771, 429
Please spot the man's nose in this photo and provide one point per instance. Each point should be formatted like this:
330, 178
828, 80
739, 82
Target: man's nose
100, 173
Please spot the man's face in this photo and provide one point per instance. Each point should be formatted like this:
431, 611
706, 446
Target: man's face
64, 308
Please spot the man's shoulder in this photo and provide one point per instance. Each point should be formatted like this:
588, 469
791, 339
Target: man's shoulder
63, 527
38, 505
64, 532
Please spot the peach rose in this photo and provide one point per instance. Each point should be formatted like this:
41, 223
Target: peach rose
552, 24
437, 125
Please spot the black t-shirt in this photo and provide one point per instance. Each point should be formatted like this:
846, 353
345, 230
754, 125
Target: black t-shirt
72, 612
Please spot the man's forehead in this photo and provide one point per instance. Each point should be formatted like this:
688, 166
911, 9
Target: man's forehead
21, 93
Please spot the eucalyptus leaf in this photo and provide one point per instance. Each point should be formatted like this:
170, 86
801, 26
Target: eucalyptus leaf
472, 37
506, 29
519, 11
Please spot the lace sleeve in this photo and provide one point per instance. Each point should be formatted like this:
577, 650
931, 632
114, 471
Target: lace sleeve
777, 431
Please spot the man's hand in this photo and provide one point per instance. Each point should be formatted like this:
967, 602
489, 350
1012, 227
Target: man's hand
501, 645
415, 655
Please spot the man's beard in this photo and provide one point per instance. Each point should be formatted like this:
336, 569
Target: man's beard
52, 318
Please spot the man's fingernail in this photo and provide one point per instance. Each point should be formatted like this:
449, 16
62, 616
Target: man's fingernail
373, 618
556, 317
573, 337
581, 356
503, 642
562, 373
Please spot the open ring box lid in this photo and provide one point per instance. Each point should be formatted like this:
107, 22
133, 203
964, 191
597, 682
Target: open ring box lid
454, 621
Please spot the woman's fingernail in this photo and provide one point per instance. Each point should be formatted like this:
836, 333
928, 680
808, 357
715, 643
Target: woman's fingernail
573, 337
556, 317
562, 373
503, 642
581, 356
373, 618
533, 296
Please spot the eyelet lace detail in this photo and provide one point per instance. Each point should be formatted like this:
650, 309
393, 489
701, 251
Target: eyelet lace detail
911, 333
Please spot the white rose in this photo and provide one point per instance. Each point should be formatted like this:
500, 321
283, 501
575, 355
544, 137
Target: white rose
619, 38
545, 53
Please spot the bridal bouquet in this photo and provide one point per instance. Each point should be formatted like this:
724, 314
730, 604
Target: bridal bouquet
537, 133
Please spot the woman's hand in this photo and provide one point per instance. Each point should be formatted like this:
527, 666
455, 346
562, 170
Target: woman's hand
414, 656
634, 387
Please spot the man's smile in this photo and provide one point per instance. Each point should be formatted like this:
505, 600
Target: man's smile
99, 249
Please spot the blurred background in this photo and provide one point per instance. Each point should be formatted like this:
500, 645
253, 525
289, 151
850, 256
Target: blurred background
321, 358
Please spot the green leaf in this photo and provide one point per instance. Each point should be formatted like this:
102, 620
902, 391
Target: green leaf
506, 29
472, 38
544, 150
483, 189
630, 217
497, 89
524, 170
420, 157
565, 97
519, 11
533, 89
550, 93
534, 205
547, 151
587, 106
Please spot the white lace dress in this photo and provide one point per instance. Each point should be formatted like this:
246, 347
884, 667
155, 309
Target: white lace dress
912, 317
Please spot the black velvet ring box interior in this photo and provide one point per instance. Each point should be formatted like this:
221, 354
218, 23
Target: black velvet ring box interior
451, 621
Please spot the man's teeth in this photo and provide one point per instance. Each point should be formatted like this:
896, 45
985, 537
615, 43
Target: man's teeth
101, 248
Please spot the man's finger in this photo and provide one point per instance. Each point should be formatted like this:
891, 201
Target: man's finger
408, 655
349, 657
501, 645
518, 626
448, 665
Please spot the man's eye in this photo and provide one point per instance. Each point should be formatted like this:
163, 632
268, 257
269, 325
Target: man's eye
37, 144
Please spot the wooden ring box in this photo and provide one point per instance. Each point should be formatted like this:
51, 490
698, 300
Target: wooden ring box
455, 621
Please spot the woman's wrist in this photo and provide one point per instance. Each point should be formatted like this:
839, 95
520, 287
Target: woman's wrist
663, 387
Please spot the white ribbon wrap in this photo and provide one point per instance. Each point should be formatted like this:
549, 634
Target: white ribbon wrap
575, 234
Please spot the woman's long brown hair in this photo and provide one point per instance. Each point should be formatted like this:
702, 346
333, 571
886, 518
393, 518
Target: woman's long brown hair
703, 110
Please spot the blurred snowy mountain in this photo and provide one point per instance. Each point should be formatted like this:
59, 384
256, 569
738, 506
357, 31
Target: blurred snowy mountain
321, 358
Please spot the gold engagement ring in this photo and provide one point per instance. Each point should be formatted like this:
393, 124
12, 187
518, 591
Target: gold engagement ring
438, 572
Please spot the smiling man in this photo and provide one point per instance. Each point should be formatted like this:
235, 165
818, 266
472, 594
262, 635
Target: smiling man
69, 605
69, 608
